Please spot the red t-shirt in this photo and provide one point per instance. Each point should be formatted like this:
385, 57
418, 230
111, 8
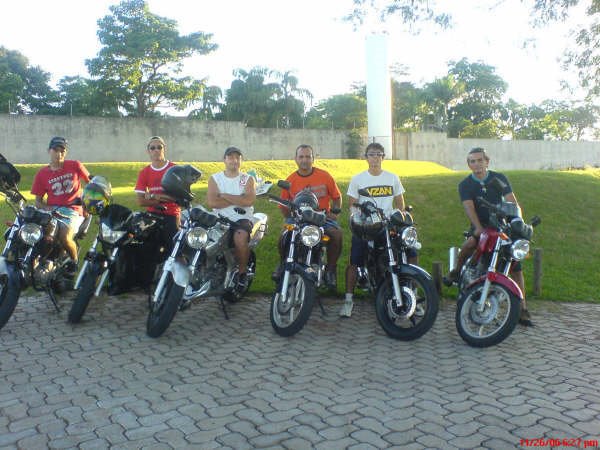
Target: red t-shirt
320, 182
149, 181
62, 186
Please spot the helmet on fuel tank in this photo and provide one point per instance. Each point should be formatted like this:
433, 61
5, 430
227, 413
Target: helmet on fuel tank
306, 197
366, 226
97, 195
177, 182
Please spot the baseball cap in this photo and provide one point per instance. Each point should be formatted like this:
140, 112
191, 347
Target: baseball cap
159, 139
231, 150
58, 141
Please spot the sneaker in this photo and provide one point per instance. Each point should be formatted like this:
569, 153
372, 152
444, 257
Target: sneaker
242, 282
525, 318
346, 310
450, 278
331, 280
70, 268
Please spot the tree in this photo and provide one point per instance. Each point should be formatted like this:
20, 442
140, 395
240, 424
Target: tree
410, 11
210, 105
141, 55
251, 98
482, 94
85, 97
440, 95
290, 108
23, 87
345, 112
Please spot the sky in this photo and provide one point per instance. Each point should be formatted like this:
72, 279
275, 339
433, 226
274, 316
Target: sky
309, 38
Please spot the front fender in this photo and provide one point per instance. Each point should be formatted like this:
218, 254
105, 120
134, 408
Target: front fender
12, 273
411, 269
180, 272
503, 280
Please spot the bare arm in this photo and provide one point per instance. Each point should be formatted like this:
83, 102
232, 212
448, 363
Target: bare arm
335, 203
216, 199
469, 207
148, 199
399, 202
40, 203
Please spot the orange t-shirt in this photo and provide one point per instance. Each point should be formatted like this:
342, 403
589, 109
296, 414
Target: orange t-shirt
320, 182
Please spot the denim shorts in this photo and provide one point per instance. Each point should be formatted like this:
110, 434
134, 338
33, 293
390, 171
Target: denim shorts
69, 217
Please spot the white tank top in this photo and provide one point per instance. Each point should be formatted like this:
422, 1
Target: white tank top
234, 186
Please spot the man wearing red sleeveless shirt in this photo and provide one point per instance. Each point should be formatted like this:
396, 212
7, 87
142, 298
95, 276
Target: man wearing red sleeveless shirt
150, 192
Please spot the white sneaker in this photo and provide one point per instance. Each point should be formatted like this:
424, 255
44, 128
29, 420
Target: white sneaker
346, 310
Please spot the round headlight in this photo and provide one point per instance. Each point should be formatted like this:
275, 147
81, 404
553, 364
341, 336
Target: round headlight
109, 235
310, 235
409, 237
30, 233
196, 238
520, 249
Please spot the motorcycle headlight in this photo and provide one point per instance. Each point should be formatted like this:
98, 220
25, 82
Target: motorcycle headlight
310, 235
30, 233
520, 249
409, 237
196, 238
109, 235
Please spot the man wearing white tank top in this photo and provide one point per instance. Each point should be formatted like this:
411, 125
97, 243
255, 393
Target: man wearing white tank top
231, 193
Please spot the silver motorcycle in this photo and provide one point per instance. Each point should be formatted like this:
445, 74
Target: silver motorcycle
202, 264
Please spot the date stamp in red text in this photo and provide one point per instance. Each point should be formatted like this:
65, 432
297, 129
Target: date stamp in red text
564, 442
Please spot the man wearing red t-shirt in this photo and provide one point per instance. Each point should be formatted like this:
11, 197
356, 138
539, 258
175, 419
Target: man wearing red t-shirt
150, 192
60, 183
322, 184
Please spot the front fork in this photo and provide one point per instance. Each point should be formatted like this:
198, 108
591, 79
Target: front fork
167, 268
90, 255
288, 263
393, 264
487, 283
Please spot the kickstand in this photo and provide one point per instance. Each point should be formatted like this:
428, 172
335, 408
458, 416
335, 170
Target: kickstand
224, 308
323, 312
53, 298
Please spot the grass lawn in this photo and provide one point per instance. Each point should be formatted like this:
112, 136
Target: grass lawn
567, 201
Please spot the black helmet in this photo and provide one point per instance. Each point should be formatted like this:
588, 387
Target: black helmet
9, 176
177, 180
366, 226
306, 197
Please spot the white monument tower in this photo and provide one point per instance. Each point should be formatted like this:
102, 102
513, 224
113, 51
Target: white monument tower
379, 92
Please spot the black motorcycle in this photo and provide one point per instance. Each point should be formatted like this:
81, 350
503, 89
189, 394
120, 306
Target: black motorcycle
118, 254
406, 301
304, 243
32, 255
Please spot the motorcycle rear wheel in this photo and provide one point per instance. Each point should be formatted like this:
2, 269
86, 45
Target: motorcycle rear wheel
10, 290
85, 294
290, 317
415, 288
495, 323
161, 313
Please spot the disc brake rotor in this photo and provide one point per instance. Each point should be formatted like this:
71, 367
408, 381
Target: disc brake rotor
409, 304
490, 309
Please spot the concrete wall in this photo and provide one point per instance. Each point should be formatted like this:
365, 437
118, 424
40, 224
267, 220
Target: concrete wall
24, 139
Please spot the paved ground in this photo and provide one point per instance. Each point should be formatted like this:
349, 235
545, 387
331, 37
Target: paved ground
340, 383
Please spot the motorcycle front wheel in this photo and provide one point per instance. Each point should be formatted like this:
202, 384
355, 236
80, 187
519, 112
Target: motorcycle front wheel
289, 316
10, 290
492, 325
162, 312
85, 293
415, 289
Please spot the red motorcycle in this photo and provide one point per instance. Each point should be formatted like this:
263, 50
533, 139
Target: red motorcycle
489, 301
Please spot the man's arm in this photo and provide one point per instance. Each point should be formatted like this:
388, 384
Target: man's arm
148, 199
511, 197
40, 203
335, 203
469, 207
399, 202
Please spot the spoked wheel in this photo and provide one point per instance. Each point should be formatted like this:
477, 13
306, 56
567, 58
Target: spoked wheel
85, 294
290, 315
10, 290
416, 315
491, 325
163, 311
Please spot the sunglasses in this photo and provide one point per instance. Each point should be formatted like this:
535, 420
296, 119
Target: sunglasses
156, 147
375, 155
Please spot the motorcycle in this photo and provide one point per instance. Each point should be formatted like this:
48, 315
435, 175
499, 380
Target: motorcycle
113, 256
32, 255
305, 243
488, 306
406, 301
201, 264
